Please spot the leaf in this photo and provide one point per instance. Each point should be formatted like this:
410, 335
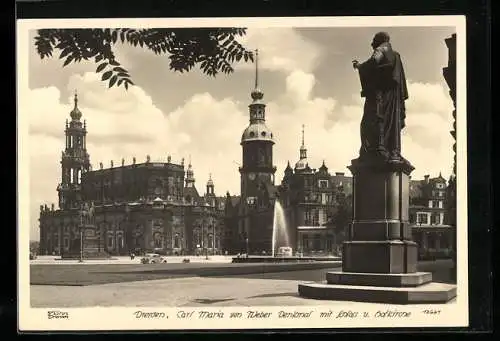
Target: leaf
114, 63
112, 81
106, 75
119, 69
123, 74
68, 60
120, 81
122, 36
98, 58
126, 85
64, 53
114, 36
101, 67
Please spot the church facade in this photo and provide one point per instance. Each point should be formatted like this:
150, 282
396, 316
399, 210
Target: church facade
141, 207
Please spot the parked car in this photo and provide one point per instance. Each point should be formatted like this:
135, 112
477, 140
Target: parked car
285, 251
153, 258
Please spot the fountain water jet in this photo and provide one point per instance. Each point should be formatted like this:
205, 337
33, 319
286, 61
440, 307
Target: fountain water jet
280, 229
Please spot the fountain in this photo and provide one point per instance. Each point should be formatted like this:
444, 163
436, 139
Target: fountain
280, 230
281, 240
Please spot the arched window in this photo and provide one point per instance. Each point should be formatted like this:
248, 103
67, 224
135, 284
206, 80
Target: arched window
176, 241
79, 176
71, 175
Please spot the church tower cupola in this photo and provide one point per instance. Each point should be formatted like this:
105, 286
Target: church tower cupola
76, 113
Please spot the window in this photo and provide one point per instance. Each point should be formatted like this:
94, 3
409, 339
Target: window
422, 218
176, 241
435, 204
323, 184
440, 204
307, 218
441, 193
66, 242
110, 242
324, 198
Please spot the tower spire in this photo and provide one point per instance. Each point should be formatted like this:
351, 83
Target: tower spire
257, 94
256, 68
303, 126
76, 99
303, 150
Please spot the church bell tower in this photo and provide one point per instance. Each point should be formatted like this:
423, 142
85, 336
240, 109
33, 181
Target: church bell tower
74, 160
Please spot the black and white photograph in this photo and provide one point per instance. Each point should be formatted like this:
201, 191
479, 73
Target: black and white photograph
226, 173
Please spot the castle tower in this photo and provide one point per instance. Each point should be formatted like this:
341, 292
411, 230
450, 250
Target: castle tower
257, 176
74, 160
257, 144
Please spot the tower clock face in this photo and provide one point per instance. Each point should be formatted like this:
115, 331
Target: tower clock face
251, 176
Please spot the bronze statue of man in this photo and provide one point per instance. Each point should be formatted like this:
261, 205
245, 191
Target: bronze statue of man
383, 85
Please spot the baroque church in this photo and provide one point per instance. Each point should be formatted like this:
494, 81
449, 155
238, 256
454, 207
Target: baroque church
149, 206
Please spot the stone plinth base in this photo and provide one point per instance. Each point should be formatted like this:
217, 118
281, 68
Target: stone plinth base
379, 280
427, 293
388, 256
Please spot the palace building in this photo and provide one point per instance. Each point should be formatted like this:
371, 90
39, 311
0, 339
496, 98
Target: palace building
148, 206
317, 205
429, 217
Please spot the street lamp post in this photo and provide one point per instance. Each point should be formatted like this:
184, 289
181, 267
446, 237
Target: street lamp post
246, 241
81, 235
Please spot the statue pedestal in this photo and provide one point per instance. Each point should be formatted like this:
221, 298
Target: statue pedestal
379, 261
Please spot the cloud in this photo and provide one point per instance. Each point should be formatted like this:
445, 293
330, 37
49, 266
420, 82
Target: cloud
282, 49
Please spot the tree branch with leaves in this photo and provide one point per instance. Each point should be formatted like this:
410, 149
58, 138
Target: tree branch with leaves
213, 50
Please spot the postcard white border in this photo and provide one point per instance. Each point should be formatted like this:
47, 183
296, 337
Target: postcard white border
120, 318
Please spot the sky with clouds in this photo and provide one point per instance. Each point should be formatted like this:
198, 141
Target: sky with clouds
307, 78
